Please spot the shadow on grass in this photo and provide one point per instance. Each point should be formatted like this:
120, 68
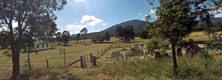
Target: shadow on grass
104, 43
199, 42
66, 45
39, 50
37, 74
135, 41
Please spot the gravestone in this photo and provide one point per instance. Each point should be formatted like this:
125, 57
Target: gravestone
179, 51
157, 54
133, 50
125, 54
195, 48
165, 55
141, 46
123, 49
145, 51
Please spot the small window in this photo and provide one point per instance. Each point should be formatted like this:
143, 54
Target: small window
47, 45
42, 45
37, 46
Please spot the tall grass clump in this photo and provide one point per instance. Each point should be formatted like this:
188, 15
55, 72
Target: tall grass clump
189, 68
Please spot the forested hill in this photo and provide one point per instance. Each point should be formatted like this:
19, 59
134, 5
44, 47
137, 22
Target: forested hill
138, 26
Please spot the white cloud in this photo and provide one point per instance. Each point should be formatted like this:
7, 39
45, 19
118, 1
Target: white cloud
90, 20
153, 11
93, 30
79, 0
99, 30
71, 26
140, 14
103, 24
218, 15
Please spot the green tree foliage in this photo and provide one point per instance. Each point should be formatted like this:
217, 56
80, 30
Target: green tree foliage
143, 34
28, 40
78, 37
106, 35
84, 33
58, 37
4, 39
100, 37
126, 34
33, 15
65, 37
176, 21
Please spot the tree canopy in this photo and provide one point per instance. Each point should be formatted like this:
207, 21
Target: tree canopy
126, 34
176, 20
65, 37
32, 15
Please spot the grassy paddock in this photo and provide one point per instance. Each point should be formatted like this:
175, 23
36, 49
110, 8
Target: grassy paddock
150, 69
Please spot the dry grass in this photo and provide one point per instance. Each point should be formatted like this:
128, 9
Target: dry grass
73, 52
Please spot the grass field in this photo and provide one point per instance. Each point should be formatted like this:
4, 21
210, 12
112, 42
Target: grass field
73, 52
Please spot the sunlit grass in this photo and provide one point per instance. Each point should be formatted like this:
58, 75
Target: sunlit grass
75, 50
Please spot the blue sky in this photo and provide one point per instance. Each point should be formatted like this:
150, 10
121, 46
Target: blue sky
97, 15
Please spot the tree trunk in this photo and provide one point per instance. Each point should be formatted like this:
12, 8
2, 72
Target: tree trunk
84, 40
174, 59
205, 62
15, 63
209, 36
29, 62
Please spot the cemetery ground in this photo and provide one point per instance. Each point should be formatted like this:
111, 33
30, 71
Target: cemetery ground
108, 68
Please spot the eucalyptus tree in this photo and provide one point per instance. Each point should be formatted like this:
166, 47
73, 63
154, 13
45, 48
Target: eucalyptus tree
84, 33
176, 20
36, 14
65, 37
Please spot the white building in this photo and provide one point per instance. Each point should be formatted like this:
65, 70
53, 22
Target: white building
41, 45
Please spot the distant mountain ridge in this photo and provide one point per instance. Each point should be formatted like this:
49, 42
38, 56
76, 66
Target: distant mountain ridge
138, 25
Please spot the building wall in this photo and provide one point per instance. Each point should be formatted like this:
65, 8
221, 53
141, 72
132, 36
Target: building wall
41, 47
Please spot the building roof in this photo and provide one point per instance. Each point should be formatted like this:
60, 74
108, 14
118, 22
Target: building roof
42, 42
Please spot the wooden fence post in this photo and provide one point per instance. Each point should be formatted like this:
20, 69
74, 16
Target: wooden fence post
91, 57
81, 59
122, 57
47, 63
94, 61
85, 62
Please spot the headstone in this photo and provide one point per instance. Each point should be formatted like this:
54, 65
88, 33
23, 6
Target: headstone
195, 48
134, 52
123, 49
125, 54
157, 54
179, 51
145, 51
165, 55
141, 46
